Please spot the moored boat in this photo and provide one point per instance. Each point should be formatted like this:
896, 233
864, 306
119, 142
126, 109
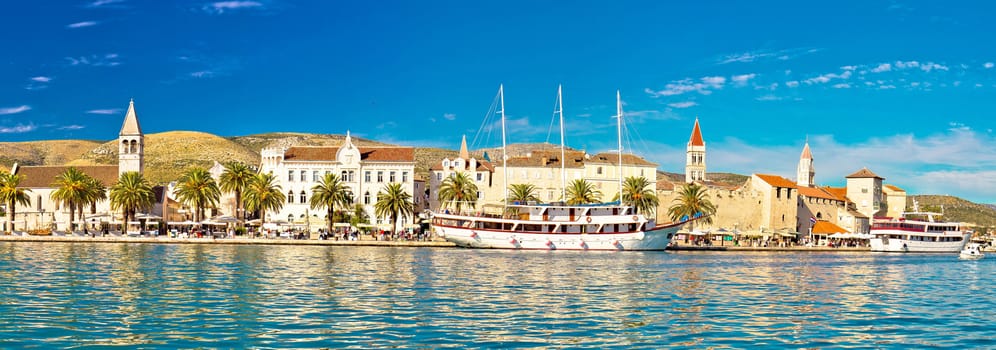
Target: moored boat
917, 232
972, 251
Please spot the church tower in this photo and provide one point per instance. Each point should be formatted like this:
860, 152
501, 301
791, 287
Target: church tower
805, 176
695, 167
131, 143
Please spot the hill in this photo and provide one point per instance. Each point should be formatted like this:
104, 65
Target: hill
258, 142
956, 209
53, 152
169, 154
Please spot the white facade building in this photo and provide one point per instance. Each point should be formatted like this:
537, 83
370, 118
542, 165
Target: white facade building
364, 170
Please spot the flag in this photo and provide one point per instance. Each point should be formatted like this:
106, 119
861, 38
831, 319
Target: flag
812, 220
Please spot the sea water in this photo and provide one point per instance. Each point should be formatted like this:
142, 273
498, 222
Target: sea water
60, 295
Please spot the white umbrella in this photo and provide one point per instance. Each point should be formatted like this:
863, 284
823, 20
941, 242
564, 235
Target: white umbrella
224, 219
145, 216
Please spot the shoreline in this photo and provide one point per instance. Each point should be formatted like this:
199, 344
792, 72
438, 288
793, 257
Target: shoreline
371, 243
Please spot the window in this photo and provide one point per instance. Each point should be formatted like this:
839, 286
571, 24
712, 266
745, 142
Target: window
404, 176
304, 175
480, 196
380, 176
778, 192
446, 163
480, 177
315, 176
290, 175
788, 193
366, 198
290, 197
864, 190
439, 176
391, 177
352, 175
366, 176
304, 198
598, 171
342, 176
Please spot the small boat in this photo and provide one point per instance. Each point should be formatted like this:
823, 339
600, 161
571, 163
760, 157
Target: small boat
972, 251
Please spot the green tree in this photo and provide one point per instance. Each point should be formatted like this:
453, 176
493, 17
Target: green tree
459, 190
264, 194
130, 194
71, 190
581, 191
522, 193
328, 193
96, 192
638, 193
198, 189
358, 216
394, 202
235, 179
692, 200
12, 196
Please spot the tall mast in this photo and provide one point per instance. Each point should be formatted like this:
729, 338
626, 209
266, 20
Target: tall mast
563, 159
504, 153
619, 117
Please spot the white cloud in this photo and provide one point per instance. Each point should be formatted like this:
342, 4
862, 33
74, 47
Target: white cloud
741, 80
792, 83
759, 55
842, 86
825, 78
907, 64
108, 111
19, 128
715, 82
684, 104
927, 67
41, 79
768, 97
886, 87
81, 24
884, 67
704, 86
449, 116
987, 65
203, 74
71, 127
100, 3
15, 110
222, 6
848, 68
106, 60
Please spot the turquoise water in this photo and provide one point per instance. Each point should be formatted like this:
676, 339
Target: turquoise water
58, 295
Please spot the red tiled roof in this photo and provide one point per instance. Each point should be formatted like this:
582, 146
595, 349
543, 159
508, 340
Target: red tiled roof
696, 139
665, 185
806, 154
864, 173
44, 176
816, 192
776, 181
613, 158
826, 228
549, 159
839, 192
367, 154
894, 188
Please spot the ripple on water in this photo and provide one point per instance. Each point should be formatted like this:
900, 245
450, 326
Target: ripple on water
182, 296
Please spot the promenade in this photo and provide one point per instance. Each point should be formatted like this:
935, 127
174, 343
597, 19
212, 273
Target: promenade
368, 242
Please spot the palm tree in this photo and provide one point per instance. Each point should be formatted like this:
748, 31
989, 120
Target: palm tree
637, 194
522, 193
393, 201
130, 194
235, 179
692, 201
95, 192
71, 190
264, 194
581, 191
11, 195
198, 189
458, 189
328, 193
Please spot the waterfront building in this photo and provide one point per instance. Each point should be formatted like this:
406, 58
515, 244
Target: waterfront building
44, 213
543, 169
364, 170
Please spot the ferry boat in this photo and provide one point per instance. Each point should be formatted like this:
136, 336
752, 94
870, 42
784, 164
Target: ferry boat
557, 226
917, 232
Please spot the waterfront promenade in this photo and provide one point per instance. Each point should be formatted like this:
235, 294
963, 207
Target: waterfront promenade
367, 241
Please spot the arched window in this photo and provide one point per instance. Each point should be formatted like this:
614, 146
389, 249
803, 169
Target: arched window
819, 216
290, 197
134, 146
290, 217
124, 146
366, 198
304, 197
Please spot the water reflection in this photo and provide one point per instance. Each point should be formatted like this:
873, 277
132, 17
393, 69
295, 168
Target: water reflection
61, 295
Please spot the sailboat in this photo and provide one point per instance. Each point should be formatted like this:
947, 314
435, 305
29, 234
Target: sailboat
557, 226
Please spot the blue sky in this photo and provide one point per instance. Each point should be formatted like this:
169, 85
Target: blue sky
904, 88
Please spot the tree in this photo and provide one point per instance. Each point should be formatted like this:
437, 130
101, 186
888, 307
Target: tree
581, 191
264, 194
394, 202
523, 193
328, 193
458, 189
358, 216
12, 196
636, 193
130, 194
198, 189
235, 179
692, 201
71, 190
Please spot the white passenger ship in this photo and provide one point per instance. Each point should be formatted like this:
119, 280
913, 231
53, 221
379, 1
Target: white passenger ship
917, 232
